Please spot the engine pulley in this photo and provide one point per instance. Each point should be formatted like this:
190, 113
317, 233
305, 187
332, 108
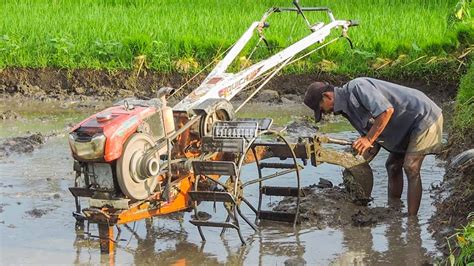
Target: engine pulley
137, 169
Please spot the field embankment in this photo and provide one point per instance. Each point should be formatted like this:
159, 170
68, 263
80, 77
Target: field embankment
462, 133
61, 83
454, 198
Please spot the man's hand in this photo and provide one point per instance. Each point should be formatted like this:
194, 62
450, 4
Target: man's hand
361, 145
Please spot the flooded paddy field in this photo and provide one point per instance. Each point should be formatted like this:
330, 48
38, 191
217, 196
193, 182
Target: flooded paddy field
36, 223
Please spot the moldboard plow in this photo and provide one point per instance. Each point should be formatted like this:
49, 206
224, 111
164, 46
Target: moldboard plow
142, 158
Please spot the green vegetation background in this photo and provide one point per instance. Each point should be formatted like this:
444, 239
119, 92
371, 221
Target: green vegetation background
395, 37
186, 34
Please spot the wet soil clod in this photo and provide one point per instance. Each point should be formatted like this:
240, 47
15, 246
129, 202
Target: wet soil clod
21, 144
10, 115
37, 213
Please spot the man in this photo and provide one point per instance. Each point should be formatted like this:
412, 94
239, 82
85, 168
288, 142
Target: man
402, 120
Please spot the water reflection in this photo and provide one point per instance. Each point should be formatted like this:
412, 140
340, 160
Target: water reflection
404, 245
280, 241
146, 252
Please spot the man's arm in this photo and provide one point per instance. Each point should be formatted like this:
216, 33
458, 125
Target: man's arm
364, 143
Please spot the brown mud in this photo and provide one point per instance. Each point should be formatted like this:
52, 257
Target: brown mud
10, 115
37, 213
61, 84
25, 144
335, 207
454, 200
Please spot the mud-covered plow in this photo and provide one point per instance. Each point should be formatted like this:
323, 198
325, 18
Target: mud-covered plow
142, 158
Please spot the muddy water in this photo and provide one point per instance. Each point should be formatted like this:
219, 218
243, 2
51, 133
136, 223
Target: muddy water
36, 225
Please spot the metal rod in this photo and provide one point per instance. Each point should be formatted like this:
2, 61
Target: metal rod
245, 218
302, 14
292, 9
200, 71
249, 204
264, 83
168, 173
268, 177
224, 228
313, 51
196, 213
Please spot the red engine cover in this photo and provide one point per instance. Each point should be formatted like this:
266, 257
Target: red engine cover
118, 128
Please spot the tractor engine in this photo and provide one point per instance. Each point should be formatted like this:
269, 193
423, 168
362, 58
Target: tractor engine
112, 149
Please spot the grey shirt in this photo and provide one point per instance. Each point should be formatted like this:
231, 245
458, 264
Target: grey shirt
363, 99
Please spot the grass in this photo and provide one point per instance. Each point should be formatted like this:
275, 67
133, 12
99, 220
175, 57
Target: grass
110, 34
462, 252
463, 122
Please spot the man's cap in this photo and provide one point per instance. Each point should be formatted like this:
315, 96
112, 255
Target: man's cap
314, 95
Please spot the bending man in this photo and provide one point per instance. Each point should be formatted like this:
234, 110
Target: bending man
402, 120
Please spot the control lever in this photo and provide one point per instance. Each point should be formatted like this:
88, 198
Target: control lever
300, 11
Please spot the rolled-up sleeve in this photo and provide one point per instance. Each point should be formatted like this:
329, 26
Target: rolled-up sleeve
370, 97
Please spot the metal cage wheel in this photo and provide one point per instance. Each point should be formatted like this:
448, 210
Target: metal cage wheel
261, 178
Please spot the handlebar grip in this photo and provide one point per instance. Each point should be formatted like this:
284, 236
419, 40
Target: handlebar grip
353, 23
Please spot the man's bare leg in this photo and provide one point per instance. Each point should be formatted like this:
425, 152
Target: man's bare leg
412, 166
394, 166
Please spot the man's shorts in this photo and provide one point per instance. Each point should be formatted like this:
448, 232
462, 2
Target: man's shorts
428, 141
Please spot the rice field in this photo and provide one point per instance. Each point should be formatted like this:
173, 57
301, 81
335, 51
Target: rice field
110, 34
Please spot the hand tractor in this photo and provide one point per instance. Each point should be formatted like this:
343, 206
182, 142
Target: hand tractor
142, 158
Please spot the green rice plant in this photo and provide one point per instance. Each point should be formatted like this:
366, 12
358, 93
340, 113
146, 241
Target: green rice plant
461, 12
9, 48
61, 50
111, 33
463, 251
138, 44
106, 50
